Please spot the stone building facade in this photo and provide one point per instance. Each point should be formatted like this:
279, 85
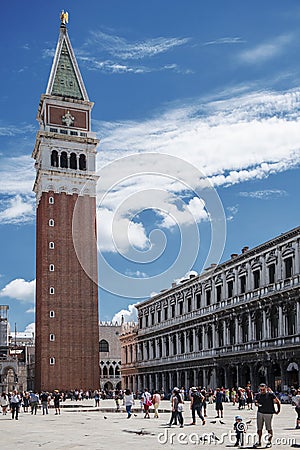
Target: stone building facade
110, 356
8, 362
238, 321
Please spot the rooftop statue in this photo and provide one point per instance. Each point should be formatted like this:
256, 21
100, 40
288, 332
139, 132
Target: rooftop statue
64, 17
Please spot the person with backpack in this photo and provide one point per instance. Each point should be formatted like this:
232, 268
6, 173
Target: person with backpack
197, 400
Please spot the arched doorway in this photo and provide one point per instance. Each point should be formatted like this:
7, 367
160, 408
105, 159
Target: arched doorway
108, 386
233, 381
221, 377
245, 375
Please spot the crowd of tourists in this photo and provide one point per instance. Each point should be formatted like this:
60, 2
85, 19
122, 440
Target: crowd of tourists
265, 400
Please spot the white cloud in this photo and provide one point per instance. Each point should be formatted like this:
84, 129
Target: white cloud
18, 209
30, 328
129, 315
230, 141
225, 40
20, 289
265, 194
217, 136
267, 50
125, 232
232, 212
19, 175
123, 49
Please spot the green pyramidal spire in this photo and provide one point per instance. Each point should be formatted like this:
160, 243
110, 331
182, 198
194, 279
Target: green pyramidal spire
65, 81
65, 78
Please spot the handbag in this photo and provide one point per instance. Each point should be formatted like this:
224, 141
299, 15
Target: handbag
180, 407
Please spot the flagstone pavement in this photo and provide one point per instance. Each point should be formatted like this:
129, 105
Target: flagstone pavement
81, 425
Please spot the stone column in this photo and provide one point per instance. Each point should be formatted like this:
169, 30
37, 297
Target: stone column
213, 328
237, 329
204, 337
195, 340
297, 262
250, 329
298, 317
265, 333
225, 333
280, 322
185, 342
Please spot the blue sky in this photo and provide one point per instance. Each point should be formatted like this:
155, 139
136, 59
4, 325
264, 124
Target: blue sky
183, 91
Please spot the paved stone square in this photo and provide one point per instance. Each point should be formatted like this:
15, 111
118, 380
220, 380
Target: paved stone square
81, 425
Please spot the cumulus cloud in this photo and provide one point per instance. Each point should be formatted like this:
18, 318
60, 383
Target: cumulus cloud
117, 235
215, 136
30, 328
19, 289
129, 315
17, 209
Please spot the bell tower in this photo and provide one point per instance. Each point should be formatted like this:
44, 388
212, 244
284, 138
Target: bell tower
67, 333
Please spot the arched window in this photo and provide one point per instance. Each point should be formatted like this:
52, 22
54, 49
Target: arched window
103, 346
232, 332
51, 290
54, 158
52, 361
73, 161
105, 371
274, 319
209, 337
111, 371
82, 162
51, 223
258, 325
51, 267
52, 337
117, 371
51, 245
64, 160
52, 314
51, 200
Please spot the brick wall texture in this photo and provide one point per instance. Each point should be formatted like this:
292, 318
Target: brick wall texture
75, 300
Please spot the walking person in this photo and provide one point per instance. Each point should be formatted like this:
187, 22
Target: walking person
44, 401
249, 397
118, 397
177, 407
196, 405
219, 397
26, 401
265, 401
15, 401
239, 428
56, 399
4, 403
146, 399
296, 401
156, 399
174, 415
128, 401
97, 398
33, 401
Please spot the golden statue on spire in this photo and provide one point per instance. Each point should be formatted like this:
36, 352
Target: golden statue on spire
64, 17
